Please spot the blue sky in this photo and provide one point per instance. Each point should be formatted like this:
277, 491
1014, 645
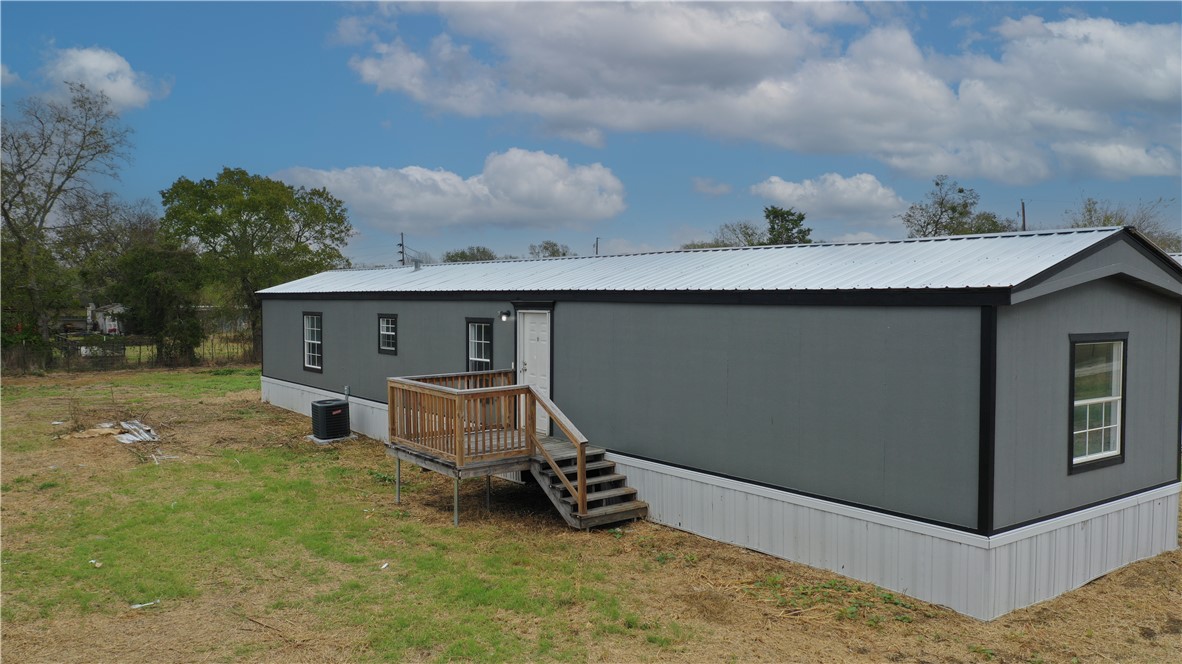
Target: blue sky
645, 125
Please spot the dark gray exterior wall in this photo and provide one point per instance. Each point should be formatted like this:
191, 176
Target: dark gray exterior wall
1031, 478
431, 339
871, 405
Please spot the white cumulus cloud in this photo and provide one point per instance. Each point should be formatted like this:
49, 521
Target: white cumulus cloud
106, 71
516, 189
790, 77
860, 236
711, 187
1115, 159
7, 76
860, 198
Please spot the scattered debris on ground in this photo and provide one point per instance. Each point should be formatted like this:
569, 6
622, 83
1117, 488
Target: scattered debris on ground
131, 431
136, 432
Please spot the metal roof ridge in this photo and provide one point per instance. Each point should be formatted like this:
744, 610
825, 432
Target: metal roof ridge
765, 247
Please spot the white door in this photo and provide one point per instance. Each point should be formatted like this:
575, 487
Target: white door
533, 357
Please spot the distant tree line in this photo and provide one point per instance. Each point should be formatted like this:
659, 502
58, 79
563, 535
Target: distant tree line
65, 243
477, 253
950, 209
781, 226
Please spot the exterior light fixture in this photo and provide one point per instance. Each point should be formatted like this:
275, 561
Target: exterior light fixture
505, 315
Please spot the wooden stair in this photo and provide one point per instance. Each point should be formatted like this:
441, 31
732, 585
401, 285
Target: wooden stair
609, 498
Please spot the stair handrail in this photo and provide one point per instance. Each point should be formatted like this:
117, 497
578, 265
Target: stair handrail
577, 438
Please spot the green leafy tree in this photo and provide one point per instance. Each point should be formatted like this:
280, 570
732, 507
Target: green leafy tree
159, 288
988, 222
471, 254
51, 152
950, 209
783, 227
28, 313
786, 226
97, 231
549, 249
252, 232
1146, 217
732, 234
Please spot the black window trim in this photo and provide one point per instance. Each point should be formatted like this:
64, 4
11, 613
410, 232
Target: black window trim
304, 341
1075, 339
467, 356
388, 351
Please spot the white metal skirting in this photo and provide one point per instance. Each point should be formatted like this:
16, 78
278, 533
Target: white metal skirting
365, 416
984, 577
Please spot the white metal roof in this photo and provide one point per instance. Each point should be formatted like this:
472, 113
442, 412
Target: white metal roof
997, 260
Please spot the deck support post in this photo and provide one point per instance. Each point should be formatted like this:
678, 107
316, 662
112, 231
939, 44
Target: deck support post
397, 481
488, 492
455, 503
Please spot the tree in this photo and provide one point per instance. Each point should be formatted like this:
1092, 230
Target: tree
158, 286
549, 249
950, 209
1145, 217
783, 227
988, 222
27, 312
786, 226
732, 234
50, 154
472, 254
252, 232
97, 231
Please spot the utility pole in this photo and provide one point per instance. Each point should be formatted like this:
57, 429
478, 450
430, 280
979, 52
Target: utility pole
1023, 214
402, 248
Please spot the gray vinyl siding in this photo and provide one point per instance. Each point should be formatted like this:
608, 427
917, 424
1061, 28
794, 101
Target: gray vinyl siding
1033, 382
431, 339
872, 405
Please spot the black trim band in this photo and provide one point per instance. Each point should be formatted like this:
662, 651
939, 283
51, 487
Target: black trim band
880, 297
987, 447
909, 517
1081, 508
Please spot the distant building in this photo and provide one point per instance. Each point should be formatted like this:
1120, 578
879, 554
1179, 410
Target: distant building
104, 319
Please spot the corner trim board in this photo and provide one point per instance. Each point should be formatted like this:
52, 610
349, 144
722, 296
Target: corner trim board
987, 421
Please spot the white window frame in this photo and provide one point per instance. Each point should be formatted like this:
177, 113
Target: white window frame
1092, 430
313, 341
479, 347
388, 334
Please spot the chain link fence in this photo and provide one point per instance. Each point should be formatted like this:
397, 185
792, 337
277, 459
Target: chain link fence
98, 352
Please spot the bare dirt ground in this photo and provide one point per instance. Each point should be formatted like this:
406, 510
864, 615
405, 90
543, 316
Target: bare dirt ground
725, 600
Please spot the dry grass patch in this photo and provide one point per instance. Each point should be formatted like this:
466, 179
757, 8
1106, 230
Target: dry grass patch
262, 546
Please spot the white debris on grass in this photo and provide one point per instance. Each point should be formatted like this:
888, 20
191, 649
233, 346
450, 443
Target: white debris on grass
137, 432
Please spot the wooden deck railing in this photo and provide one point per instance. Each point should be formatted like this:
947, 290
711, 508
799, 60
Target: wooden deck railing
468, 418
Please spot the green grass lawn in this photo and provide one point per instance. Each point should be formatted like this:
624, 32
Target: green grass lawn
309, 529
261, 546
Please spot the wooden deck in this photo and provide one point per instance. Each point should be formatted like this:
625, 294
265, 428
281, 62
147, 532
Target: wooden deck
480, 424
558, 448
